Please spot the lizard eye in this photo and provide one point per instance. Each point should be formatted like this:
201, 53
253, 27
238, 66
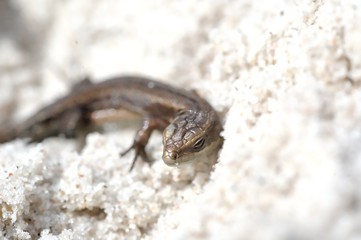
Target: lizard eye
181, 112
199, 144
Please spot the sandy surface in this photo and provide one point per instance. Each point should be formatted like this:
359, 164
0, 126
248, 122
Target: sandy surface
284, 75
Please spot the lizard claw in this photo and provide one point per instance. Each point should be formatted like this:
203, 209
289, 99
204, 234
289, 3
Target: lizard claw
139, 152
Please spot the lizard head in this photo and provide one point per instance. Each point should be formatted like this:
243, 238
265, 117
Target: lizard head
191, 135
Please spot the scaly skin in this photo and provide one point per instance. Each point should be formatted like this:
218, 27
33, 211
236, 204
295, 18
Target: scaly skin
191, 126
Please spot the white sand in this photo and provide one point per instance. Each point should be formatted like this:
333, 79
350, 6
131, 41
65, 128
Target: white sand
285, 76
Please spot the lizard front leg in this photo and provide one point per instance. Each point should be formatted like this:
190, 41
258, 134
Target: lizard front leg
142, 137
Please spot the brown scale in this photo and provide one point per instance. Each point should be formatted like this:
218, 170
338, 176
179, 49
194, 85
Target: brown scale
188, 122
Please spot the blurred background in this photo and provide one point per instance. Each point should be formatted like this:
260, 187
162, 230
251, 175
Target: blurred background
47, 45
285, 75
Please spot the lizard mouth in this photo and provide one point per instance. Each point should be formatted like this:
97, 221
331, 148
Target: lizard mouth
171, 158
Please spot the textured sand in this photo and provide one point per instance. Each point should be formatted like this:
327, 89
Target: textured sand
284, 75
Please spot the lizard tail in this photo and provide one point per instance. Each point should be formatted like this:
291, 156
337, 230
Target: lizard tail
7, 135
